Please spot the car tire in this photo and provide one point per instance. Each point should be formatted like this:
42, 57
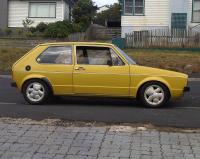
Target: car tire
36, 92
154, 94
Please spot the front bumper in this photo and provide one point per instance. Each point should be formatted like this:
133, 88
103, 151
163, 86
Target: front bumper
13, 84
186, 89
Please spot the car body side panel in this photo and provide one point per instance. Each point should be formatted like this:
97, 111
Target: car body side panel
102, 80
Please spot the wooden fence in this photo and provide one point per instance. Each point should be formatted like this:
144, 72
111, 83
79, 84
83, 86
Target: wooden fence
96, 32
163, 38
107, 33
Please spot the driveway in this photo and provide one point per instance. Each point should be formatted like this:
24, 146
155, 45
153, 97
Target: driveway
183, 113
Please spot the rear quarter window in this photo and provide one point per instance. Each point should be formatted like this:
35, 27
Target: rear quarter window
56, 55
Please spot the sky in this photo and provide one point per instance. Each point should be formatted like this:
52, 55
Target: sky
104, 2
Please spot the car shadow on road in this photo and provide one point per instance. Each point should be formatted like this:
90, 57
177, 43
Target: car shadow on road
103, 101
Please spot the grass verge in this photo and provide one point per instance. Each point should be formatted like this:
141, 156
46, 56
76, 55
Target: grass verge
8, 56
182, 61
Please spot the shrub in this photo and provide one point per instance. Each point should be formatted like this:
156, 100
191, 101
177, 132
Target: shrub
37, 31
8, 31
60, 29
41, 27
32, 30
19, 31
30, 34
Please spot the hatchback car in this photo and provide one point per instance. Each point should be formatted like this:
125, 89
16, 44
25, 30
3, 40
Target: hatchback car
92, 69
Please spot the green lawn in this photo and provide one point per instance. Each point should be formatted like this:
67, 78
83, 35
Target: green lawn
167, 59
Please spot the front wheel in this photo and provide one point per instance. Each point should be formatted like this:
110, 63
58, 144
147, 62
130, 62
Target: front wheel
154, 94
35, 92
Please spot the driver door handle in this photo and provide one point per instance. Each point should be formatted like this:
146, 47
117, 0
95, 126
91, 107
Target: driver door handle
79, 68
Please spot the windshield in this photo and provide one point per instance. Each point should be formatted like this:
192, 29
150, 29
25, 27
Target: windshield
130, 60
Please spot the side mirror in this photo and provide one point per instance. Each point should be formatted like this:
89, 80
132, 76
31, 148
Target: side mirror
109, 63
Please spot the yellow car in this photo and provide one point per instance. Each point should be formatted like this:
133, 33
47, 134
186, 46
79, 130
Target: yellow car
92, 69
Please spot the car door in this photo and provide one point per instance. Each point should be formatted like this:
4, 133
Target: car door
56, 64
100, 71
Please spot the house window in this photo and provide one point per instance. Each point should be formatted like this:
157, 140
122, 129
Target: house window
134, 7
139, 7
179, 20
42, 10
128, 7
196, 11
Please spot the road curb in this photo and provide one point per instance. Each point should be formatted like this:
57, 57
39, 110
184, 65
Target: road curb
5, 76
190, 79
194, 79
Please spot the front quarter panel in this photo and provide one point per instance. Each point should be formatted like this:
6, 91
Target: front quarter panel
173, 80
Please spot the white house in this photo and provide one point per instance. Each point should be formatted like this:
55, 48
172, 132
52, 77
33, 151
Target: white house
13, 12
139, 15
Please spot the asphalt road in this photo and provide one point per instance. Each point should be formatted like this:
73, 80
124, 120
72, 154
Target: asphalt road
184, 113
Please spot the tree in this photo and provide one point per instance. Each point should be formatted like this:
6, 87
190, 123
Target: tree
112, 13
83, 13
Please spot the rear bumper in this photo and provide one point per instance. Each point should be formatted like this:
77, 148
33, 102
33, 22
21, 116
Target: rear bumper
186, 89
13, 84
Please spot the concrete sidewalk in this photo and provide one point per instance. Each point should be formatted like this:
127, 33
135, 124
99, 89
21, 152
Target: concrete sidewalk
20, 139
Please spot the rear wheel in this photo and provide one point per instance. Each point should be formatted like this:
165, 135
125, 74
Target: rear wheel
154, 94
35, 92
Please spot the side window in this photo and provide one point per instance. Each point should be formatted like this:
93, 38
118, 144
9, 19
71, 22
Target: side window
93, 55
56, 55
81, 55
97, 56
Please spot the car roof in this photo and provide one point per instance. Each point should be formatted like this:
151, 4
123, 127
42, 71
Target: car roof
78, 43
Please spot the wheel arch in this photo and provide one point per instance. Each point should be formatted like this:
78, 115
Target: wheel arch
148, 80
41, 78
